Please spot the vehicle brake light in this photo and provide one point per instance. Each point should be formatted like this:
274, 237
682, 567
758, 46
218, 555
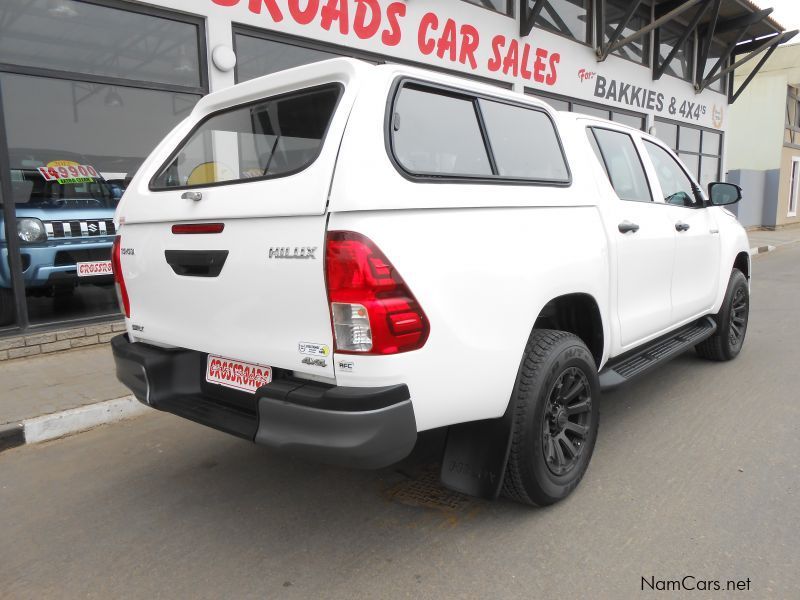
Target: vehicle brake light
373, 310
119, 280
188, 228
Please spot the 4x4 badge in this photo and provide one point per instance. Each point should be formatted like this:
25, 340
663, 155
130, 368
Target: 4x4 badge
296, 252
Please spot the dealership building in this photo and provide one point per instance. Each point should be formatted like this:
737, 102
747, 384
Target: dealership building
89, 87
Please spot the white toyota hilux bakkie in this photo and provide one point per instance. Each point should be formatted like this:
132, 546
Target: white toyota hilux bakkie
335, 258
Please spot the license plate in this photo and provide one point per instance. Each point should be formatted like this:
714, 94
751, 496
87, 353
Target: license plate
246, 377
94, 268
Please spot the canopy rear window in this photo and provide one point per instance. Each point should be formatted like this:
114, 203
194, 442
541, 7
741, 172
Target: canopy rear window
271, 138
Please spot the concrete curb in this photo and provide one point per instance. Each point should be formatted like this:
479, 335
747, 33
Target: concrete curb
69, 422
761, 250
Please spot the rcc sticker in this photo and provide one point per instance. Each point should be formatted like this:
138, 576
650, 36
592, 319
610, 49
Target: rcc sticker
313, 349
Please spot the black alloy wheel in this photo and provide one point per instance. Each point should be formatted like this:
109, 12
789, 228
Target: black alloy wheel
555, 404
738, 319
567, 422
732, 319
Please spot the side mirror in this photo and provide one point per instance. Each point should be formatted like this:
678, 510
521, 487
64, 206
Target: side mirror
722, 194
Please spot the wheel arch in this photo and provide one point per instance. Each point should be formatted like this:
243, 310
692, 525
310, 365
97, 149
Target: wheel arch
742, 262
577, 313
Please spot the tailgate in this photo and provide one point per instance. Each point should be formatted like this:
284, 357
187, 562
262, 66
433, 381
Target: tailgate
258, 308
254, 163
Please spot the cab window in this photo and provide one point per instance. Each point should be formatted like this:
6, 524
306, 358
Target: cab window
617, 153
678, 189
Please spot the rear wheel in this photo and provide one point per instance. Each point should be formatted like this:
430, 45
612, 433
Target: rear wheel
556, 416
7, 306
727, 341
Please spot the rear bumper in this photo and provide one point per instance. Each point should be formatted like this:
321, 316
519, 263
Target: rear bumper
357, 427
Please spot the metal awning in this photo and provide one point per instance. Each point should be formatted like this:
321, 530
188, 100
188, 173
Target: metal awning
741, 31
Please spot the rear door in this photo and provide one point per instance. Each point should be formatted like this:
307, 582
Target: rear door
222, 246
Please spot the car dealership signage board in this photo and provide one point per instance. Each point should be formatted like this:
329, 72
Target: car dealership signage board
470, 39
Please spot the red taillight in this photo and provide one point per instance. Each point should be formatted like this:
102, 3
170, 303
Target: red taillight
189, 228
119, 280
373, 310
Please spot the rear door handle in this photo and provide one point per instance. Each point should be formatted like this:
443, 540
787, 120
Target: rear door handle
681, 226
628, 227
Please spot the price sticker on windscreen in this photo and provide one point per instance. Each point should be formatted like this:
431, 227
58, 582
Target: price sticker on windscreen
67, 171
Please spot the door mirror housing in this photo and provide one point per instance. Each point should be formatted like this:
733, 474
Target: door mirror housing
723, 194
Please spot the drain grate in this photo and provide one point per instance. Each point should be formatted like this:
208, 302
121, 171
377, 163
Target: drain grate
425, 490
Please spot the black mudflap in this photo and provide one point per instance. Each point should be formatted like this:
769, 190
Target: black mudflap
475, 456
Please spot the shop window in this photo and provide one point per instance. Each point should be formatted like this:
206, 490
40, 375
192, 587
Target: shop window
631, 119
565, 17
681, 65
699, 149
502, 6
712, 143
792, 130
635, 121
557, 104
67, 174
67, 35
591, 110
7, 303
794, 187
639, 50
257, 56
668, 133
689, 140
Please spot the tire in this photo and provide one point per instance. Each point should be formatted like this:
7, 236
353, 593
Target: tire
7, 307
539, 472
732, 319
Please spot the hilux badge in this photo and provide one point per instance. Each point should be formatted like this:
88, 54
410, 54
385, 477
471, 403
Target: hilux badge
304, 252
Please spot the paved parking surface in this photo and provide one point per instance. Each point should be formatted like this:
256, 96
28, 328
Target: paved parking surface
696, 472
40, 385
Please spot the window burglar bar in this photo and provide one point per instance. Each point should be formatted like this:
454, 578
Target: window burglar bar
667, 11
770, 45
706, 38
528, 15
658, 70
603, 50
742, 23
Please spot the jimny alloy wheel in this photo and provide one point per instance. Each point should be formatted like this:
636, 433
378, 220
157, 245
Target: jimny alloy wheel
738, 319
567, 421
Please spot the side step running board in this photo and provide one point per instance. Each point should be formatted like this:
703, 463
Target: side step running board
629, 366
